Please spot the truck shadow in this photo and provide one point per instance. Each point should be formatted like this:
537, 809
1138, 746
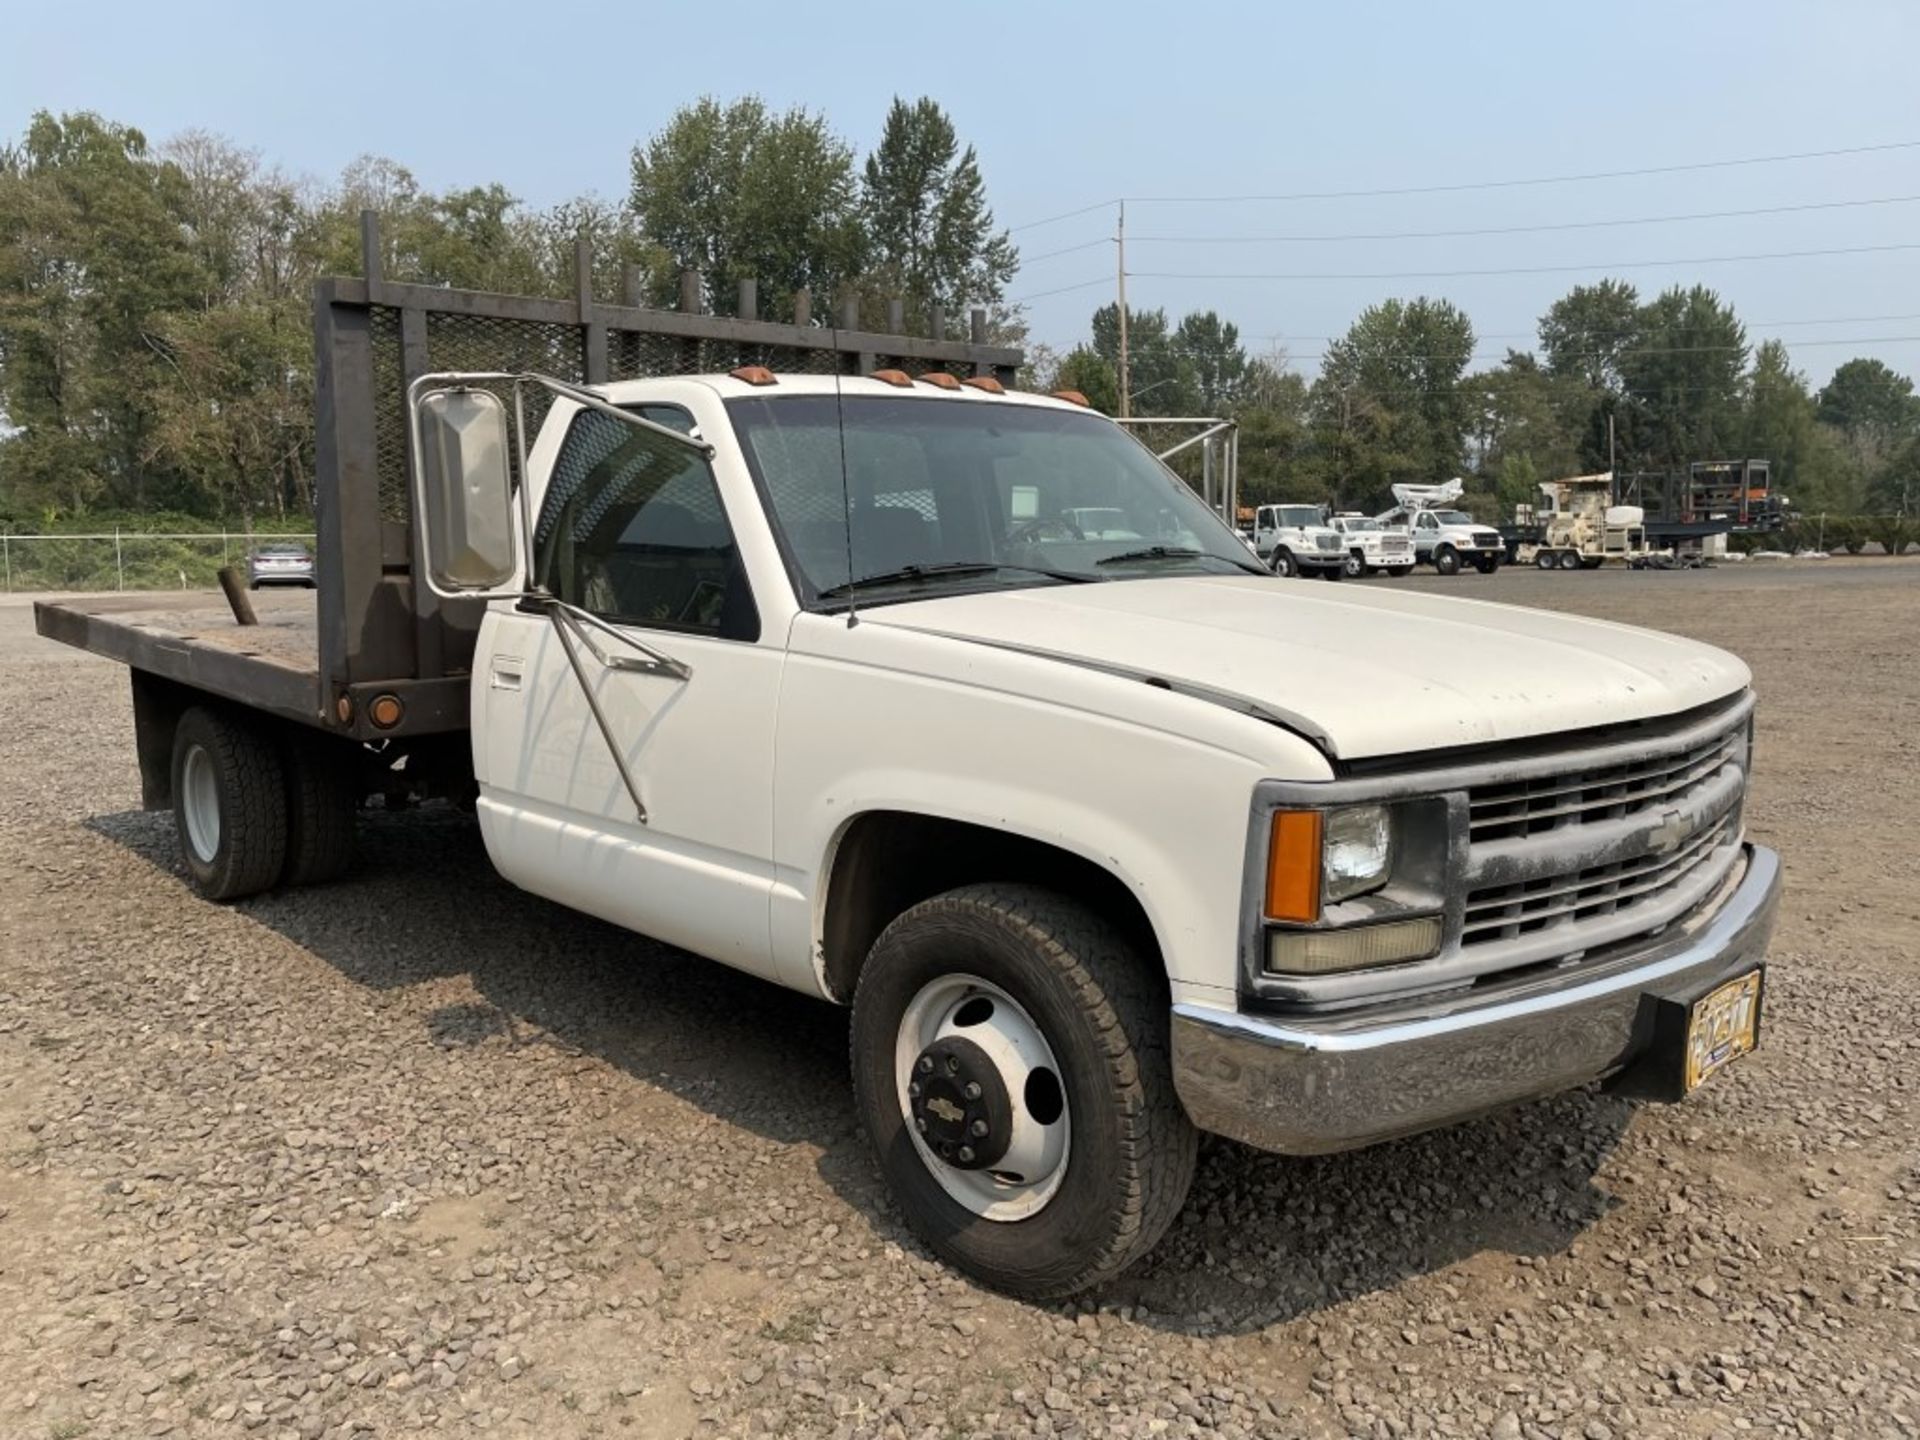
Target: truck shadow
1263, 1240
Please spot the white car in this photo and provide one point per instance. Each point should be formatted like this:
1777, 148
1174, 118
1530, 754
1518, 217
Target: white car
1105, 842
1373, 546
1296, 540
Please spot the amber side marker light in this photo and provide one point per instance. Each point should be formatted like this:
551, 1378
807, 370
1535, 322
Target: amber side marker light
1073, 397
893, 377
1293, 866
755, 375
942, 379
385, 711
987, 383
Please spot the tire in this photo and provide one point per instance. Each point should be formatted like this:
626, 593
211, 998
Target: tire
1356, 565
323, 803
1543, 560
1283, 564
1569, 560
229, 804
1102, 1013
1446, 560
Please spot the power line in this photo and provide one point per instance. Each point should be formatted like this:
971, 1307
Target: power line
1499, 229
1062, 290
1076, 249
1530, 269
1465, 185
1065, 215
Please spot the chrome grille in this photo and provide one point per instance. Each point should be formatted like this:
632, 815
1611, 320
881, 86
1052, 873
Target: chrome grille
1526, 807
1327, 542
1506, 912
1588, 854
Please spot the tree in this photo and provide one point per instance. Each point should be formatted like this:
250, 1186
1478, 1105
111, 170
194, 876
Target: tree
1685, 373
1389, 400
1210, 348
1586, 332
1521, 432
92, 249
1159, 374
1873, 409
929, 230
737, 192
1083, 369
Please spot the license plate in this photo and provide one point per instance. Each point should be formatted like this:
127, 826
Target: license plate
1722, 1027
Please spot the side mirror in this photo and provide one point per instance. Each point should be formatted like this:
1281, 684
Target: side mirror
464, 490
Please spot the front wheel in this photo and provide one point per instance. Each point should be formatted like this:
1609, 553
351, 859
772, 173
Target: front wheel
1446, 560
1283, 564
1356, 565
1011, 1069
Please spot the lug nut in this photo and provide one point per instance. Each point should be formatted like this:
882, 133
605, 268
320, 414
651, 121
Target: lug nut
973, 1090
953, 1064
978, 1129
913, 1089
924, 1064
920, 1123
966, 1154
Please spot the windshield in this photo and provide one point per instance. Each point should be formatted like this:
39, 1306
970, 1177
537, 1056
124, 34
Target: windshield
1454, 517
1351, 525
1300, 515
947, 495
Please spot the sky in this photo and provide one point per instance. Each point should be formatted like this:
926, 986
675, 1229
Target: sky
1072, 106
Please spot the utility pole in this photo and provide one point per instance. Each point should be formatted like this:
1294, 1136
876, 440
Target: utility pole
1120, 243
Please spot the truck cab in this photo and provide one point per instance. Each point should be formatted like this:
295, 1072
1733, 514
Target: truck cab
1296, 540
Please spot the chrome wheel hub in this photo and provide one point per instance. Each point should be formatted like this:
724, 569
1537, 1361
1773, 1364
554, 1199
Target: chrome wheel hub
199, 801
982, 1096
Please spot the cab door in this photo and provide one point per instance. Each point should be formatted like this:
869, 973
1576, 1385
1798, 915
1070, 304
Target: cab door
633, 532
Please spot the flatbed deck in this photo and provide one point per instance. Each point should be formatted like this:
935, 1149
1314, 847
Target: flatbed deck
193, 638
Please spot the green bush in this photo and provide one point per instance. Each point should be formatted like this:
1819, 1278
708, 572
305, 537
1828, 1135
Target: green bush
1893, 532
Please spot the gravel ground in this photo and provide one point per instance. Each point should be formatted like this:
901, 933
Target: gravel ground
416, 1151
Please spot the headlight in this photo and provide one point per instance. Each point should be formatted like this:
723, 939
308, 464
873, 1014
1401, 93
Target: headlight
1359, 844
1317, 857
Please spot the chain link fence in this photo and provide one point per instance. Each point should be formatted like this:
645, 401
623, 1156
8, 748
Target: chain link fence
125, 560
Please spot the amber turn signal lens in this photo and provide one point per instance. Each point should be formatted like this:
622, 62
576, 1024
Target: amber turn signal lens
385, 711
1293, 866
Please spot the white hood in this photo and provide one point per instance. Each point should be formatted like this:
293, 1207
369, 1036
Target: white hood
1364, 671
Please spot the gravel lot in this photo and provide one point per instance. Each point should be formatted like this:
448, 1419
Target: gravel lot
417, 1151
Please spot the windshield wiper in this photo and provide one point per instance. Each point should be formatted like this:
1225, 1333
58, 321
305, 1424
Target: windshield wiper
1174, 552
907, 574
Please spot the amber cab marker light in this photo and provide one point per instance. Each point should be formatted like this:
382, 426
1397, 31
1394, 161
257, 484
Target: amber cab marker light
942, 379
893, 377
755, 375
1073, 397
986, 383
1293, 866
385, 711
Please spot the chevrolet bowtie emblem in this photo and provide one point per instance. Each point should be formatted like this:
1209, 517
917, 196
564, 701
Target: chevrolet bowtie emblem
945, 1109
1673, 831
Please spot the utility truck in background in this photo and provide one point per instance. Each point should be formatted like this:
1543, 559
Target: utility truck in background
1296, 540
1444, 537
1374, 547
790, 645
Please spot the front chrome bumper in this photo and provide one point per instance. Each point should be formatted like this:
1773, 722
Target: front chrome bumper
1310, 1085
